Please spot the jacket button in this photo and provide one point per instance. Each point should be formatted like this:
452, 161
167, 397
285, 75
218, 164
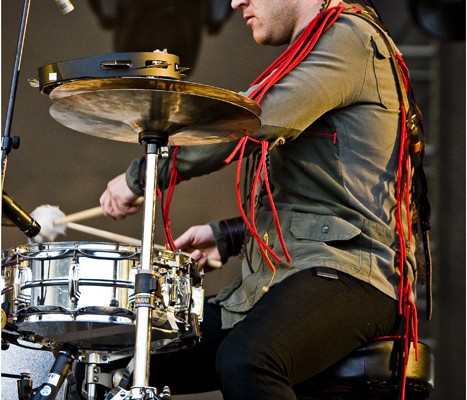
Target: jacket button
325, 229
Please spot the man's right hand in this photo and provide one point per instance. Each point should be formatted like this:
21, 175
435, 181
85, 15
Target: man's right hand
118, 200
199, 241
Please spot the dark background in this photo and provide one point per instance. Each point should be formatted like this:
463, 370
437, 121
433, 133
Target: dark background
58, 166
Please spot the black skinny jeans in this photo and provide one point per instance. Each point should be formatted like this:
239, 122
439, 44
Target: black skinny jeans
300, 327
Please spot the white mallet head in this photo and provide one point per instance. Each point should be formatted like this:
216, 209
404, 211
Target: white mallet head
46, 215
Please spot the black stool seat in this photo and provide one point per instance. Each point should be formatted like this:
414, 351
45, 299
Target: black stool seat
372, 372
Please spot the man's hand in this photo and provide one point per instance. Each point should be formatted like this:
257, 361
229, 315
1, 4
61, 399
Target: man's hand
118, 200
199, 241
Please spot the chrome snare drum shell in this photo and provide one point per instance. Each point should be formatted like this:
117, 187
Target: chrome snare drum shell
71, 292
82, 293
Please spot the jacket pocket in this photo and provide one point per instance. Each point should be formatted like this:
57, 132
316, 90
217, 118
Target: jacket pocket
383, 73
326, 240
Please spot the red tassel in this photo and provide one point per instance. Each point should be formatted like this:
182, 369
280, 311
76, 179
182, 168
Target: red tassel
296, 52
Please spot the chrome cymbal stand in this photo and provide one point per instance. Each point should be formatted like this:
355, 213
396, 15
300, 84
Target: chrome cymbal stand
145, 281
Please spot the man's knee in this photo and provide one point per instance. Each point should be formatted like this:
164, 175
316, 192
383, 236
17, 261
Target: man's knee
242, 358
233, 357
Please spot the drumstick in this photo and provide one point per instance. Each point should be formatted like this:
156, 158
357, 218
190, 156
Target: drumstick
104, 234
89, 213
129, 240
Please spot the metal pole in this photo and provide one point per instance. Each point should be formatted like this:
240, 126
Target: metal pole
6, 139
144, 299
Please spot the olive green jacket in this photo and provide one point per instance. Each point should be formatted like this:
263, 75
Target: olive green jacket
334, 178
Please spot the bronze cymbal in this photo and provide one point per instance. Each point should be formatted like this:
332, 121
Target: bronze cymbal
121, 108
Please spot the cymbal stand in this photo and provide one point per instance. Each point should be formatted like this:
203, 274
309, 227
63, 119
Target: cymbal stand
145, 280
7, 142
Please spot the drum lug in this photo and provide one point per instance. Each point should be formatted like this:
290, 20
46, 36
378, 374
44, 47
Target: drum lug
197, 305
174, 292
73, 285
23, 295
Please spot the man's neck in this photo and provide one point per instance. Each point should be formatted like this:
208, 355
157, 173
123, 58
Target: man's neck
309, 11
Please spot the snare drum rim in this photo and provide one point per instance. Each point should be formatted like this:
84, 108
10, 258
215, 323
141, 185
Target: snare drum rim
116, 251
59, 250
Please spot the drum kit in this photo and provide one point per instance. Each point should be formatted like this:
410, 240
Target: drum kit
97, 302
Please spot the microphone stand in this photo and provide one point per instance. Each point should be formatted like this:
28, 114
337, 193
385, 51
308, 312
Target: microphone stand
7, 142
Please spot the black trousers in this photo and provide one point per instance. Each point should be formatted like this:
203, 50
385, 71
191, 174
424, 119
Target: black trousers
299, 328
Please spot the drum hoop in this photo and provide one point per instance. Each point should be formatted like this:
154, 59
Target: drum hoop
63, 250
88, 310
76, 253
114, 283
26, 252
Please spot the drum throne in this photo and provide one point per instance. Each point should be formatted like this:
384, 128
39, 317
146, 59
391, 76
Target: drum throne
372, 372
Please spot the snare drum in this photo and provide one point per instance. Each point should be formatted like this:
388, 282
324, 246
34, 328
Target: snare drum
82, 293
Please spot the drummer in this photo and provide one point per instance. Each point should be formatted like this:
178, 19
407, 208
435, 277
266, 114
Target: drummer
320, 271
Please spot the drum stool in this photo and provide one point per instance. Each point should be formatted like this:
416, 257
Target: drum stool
372, 373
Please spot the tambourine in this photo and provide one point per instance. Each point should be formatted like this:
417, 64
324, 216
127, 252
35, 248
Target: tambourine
158, 64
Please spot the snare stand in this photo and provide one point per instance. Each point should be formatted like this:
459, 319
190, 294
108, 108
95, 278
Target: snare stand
145, 282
